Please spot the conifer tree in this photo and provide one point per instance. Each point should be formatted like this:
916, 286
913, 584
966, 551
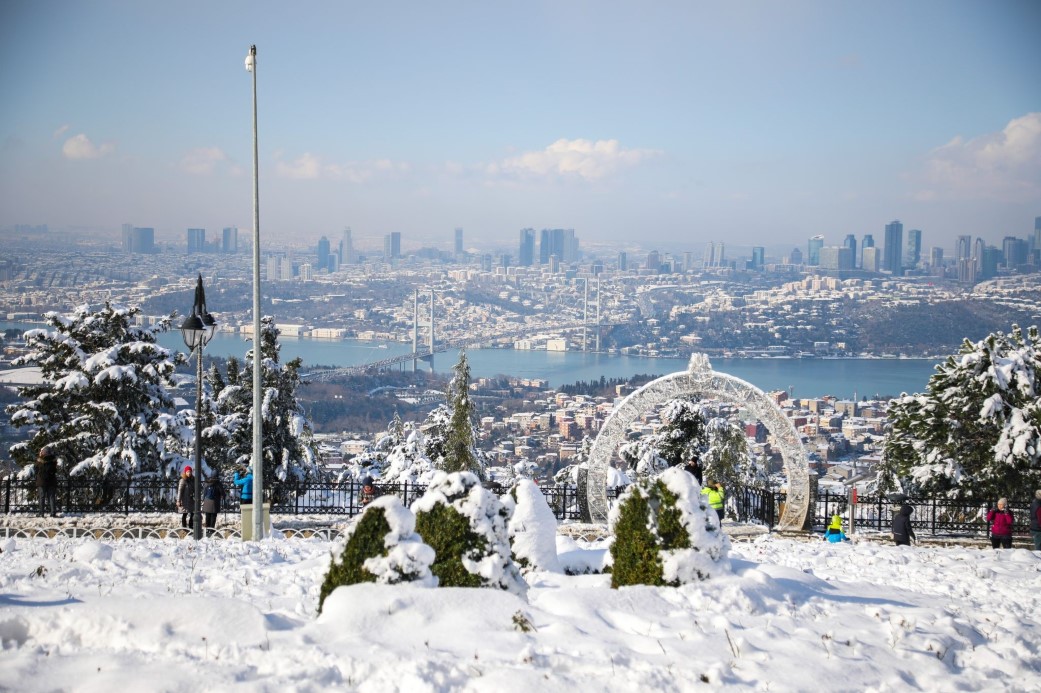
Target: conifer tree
976, 431
461, 453
289, 451
103, 405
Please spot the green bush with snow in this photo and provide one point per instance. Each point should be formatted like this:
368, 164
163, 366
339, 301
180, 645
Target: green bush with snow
381, 546
665, 533
466, 525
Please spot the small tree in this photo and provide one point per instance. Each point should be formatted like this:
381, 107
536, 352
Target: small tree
461, 453
533, 529
103, 404
665, 533
381, 546
682, 435
466, 524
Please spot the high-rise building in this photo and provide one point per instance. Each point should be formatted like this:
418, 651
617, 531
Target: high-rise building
392, 246
870, 258
279, 267
715, 254
936, 258
795, 257
813, 250
963, 251
893, 251
758, 257
458, 242
913, 249
230, 240
347, 248
991, 258
137, 239
868, 241
851, 243
836, 258
1037, 234
653, 263
323, 252
526, 253
623, 261
1015, 251
196, 240
559, 242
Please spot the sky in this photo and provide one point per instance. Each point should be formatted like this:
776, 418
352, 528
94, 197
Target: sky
671, 123
781, 615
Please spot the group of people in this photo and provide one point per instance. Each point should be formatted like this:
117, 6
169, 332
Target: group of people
213, 496
1000, 521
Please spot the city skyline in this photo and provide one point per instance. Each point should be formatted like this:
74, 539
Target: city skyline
677, 125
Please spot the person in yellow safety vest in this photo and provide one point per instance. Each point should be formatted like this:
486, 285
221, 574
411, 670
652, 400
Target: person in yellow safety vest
714, 491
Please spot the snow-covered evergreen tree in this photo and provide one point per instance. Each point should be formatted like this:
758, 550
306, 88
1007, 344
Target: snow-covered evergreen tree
682, 435
976, 431
533, 529
290, 454
461, 453
466, 524
406, 461
665, 533
727, 457
104, 405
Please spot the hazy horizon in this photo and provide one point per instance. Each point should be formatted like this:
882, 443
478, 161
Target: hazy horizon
670, 125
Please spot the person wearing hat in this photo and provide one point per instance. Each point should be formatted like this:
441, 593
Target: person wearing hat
834, 532
246, 482
186, 497
368, 491
715, 494
47, 480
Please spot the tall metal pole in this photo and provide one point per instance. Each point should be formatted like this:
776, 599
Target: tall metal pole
258, 361
415, 328
197, 510
431, 329
585, 313
598, 315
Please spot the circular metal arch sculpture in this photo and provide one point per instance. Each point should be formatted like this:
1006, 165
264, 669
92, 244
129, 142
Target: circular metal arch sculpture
700, 379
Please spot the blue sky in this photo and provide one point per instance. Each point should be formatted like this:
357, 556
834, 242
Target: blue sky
671, 123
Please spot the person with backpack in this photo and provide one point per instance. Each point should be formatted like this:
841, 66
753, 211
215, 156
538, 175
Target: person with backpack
212, 500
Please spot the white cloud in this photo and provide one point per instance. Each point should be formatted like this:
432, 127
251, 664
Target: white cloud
80, 147
202, 161
582, 158
59, 132
1003, 165
310, 167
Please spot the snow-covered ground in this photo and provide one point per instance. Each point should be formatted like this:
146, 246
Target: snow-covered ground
179, 615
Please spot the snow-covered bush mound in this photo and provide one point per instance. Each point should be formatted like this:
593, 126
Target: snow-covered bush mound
382, 546
666, 534
466, 524
533, 529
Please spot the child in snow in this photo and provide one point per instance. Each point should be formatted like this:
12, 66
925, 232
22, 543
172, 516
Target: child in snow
902, 531
834, 532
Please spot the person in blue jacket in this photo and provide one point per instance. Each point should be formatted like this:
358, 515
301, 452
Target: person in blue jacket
834, 532
246, 482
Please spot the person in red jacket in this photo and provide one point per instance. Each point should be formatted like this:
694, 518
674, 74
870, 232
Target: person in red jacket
1000, 520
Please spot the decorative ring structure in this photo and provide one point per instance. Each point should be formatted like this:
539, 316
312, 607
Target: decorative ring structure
700, 379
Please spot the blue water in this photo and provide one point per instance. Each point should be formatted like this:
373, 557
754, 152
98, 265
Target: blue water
844, 378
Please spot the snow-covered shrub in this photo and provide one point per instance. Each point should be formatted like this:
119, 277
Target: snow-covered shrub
382, 546
533, 529
466, 524
665, 533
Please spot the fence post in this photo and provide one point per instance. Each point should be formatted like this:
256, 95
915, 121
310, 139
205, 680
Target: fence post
7, 495
126, 499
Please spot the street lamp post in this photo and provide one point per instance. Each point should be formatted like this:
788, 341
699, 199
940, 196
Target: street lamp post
258, 445
197, 330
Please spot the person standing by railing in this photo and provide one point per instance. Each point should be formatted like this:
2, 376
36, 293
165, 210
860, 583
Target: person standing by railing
1000, 520
903, 533
47, 480
186, 498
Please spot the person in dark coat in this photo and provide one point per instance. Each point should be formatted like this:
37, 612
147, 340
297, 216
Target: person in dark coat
1035, 519
902, 530
368, 491
212, 500
694, 468
186, 498
47, 480
1000, 521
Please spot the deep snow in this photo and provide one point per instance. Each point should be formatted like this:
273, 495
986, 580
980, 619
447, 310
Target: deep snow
177, 615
